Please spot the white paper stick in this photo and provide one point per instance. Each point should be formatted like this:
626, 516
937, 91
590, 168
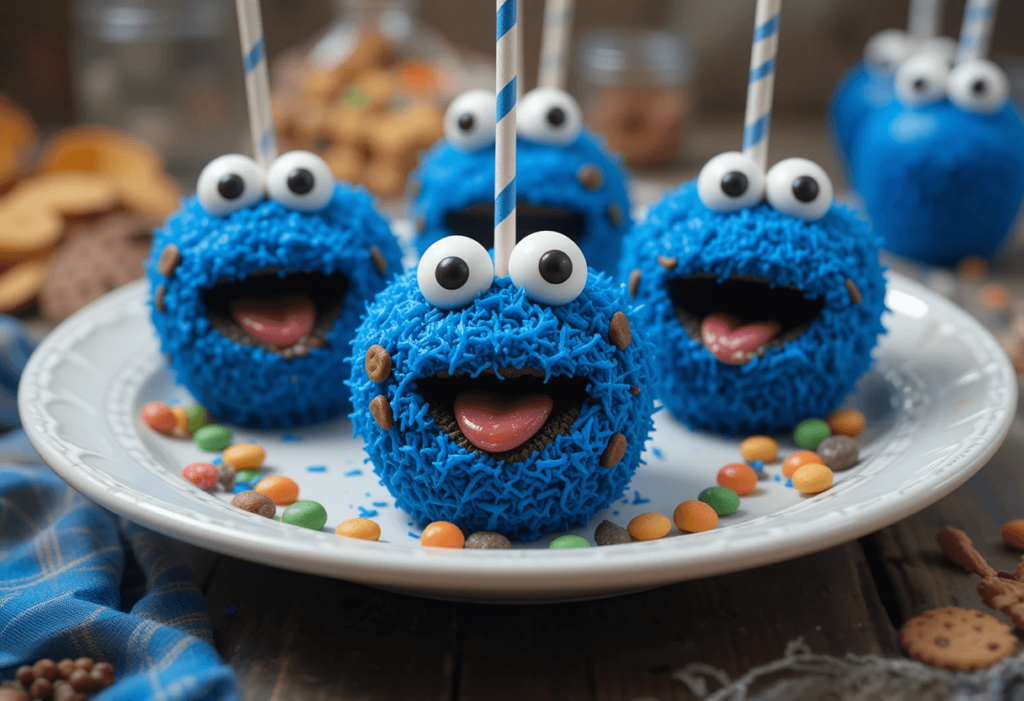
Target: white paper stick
763, 51
505, 137
976, 29
924, 19
554, 45
257, 81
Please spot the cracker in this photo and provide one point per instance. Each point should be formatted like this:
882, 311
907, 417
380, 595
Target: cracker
956, 638
68, 193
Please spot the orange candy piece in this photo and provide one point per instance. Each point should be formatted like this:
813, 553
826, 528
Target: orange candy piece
846, 422
180, 419
649, 526
694, 516
158, 417
441, 534
1013, 534
738, 477
794, 461
281, 490
361, 528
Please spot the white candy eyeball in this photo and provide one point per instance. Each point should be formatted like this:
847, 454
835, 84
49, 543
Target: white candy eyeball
469, 120
453, 271
979, 86
229, 183
730, 181
300, 180
549, 116
922, 79
549, 266
887, 49
800, 188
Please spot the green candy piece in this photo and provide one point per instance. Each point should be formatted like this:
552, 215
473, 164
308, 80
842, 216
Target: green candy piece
808, 434
246, 475
307, 514
197, 416
568, 542
212, 438
722, 499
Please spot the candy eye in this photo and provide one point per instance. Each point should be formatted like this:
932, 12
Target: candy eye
549, 266
799, 188
300, 180
730, 181
978, 86
549, 116
887, 49
469, 121
943, 47
229, 183
453, 271
921, 80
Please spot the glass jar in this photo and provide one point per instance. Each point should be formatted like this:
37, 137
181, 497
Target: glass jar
634, 89
167, 71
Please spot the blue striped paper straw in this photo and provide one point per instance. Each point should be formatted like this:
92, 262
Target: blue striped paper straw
257, 81
924, 18
762, 81
976, 29
554, 43
505, 137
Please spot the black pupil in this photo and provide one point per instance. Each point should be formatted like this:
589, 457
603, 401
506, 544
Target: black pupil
979, 87
555, 267
734, 183
300, 181
920, 84
805, 188
466, 122
556, 116
452, 273
230, 186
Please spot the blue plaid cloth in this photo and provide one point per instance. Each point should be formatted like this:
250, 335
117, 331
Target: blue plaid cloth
77, 581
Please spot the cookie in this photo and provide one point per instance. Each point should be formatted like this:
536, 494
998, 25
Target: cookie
956, 638
71, 194
95, 260
155, 196
98, 150
20, 284
26, 230
18, 138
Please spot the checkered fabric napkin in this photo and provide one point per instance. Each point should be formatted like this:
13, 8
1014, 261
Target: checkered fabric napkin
76, 581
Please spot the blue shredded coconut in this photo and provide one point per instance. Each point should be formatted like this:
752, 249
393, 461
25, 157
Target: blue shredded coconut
380, 504
417, 536
808, 376
317, 468
354, 473
637, 499
658, 454
556, 488
615, 513
366, 513
450, 180
244, 384
757, 465
778, 478
940, 183
217, 461
291, 438
789, 483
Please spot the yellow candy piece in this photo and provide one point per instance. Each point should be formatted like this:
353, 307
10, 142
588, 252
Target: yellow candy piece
180, 419
362, 528
649, 526
812, 478
244, 456
760, 448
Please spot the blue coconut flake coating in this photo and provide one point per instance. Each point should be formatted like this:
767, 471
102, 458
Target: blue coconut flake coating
806, 377
858, 94
245, 384
940, 183
558, 487
448, 180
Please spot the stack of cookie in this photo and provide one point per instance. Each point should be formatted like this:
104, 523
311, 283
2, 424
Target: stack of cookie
18, 139
79, 224
369, 116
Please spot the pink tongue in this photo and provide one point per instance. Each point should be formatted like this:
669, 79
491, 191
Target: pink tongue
277, 320
732, 343
498, 422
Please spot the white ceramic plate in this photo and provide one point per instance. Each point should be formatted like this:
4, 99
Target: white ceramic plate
938, 402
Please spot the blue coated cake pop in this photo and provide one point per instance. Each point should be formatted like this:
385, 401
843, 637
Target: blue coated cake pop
518, 404
259, 283
566, 180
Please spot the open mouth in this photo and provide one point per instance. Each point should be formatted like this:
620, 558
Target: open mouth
508, 416
741, 317
477, 222
288, 315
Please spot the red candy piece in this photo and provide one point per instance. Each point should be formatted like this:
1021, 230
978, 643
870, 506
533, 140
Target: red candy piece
201, 474
738, 477
159, 417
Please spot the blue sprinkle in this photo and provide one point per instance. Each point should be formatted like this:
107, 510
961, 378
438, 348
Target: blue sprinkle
367, 494
758, 465
217, 461
409, 523
658, 454
317, 468
414, 535
366, 513
230, 611
625, 501
789, 483
290, 438
354, 473
380, 503
615, 513
778, 478
637, 499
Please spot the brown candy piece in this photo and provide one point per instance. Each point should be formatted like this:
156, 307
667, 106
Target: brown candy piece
8, 693
614, 451
619, 333
41, 687
955, 638
838, 452
25, 674
634, 282
169, 259
378, 260
487, 540
590, 176
668, 262
851, 288
378, 363
608, 533
382, 413
615, 214
254, 503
